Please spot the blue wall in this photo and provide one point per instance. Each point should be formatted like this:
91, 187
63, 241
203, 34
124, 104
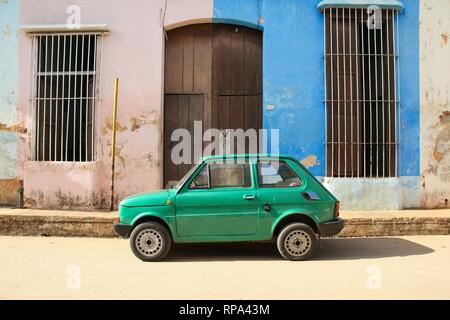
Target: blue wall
293, 75
409, 89
9, 75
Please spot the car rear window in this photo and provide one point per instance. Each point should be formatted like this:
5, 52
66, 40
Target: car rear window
277, 174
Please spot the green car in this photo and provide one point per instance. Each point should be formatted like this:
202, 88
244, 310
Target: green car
248, 197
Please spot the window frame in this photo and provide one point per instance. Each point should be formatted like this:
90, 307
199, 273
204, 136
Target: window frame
355, 153
207, 163
195, 175
54, 147
286, 162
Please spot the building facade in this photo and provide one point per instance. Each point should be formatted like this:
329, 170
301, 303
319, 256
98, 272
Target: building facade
358, 90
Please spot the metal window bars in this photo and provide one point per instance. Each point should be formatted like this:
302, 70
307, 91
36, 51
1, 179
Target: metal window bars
64, 95
362, 101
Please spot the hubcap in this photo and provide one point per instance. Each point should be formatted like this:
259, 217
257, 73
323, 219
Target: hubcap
297, 243
149, 242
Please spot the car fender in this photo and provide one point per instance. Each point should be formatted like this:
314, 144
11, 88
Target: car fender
168, 220
292, 212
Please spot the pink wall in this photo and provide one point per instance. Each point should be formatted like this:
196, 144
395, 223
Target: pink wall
133, 51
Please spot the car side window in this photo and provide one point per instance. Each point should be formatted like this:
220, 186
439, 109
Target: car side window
277, 174
201, 181
230, 175
223, 175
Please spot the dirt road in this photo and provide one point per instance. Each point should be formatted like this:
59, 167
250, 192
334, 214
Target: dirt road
360, 268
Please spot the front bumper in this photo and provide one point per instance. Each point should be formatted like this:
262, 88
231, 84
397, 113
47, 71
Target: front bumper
122, 230
331, 228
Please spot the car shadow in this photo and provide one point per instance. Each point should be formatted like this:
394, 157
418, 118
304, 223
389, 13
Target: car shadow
331, 249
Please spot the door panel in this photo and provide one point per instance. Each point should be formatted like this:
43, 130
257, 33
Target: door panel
180, 111
239, 112
217, 212
228, 207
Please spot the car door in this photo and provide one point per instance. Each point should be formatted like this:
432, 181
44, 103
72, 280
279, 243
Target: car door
219, 201
280, 190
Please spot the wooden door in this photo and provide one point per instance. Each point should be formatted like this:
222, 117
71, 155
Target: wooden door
237, 77
181, 111
213, 74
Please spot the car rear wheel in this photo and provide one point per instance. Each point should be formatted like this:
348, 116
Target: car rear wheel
297, 241
150, 241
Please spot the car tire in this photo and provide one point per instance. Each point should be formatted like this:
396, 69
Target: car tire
297, 241
150, 241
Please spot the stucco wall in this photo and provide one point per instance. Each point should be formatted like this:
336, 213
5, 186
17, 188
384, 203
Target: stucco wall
132, 51
9, 126
292, 97
434, 103
178, 13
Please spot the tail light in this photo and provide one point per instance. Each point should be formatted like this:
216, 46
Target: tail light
336, 209
117, 220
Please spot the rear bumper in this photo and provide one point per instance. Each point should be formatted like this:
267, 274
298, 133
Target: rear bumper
122, 230
331, 228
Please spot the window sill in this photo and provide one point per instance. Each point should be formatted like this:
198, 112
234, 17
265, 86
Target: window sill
382, 4
101, 27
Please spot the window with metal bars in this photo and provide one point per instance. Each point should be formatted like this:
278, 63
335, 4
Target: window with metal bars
65, 95
361, 98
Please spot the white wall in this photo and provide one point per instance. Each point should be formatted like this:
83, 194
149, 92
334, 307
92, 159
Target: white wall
434, 103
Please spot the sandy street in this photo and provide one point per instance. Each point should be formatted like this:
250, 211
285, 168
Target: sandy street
360, 268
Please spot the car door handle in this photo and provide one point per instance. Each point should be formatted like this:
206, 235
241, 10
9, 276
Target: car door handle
249, 197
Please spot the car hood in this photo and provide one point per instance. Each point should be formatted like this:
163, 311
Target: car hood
145, 199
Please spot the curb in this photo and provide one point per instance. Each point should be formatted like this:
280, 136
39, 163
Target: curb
56, 226
403, 226
101, 227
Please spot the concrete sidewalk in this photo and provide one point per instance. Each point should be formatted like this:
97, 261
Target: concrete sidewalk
34, 222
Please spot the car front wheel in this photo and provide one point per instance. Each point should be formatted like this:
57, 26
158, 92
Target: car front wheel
150, 241
297, 241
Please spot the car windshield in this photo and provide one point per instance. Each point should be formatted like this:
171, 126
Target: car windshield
186, 176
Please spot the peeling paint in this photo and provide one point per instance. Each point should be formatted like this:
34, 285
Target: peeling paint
136, 122
444, 38
438, 155
310, 161
17, 127
445, 117
150, 159
148, 118
440, 164
8, 191
435, 107
118, 153
109, 124
65, 200
70, 201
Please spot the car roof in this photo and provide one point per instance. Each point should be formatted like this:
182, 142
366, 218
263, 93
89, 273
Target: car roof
249, 155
